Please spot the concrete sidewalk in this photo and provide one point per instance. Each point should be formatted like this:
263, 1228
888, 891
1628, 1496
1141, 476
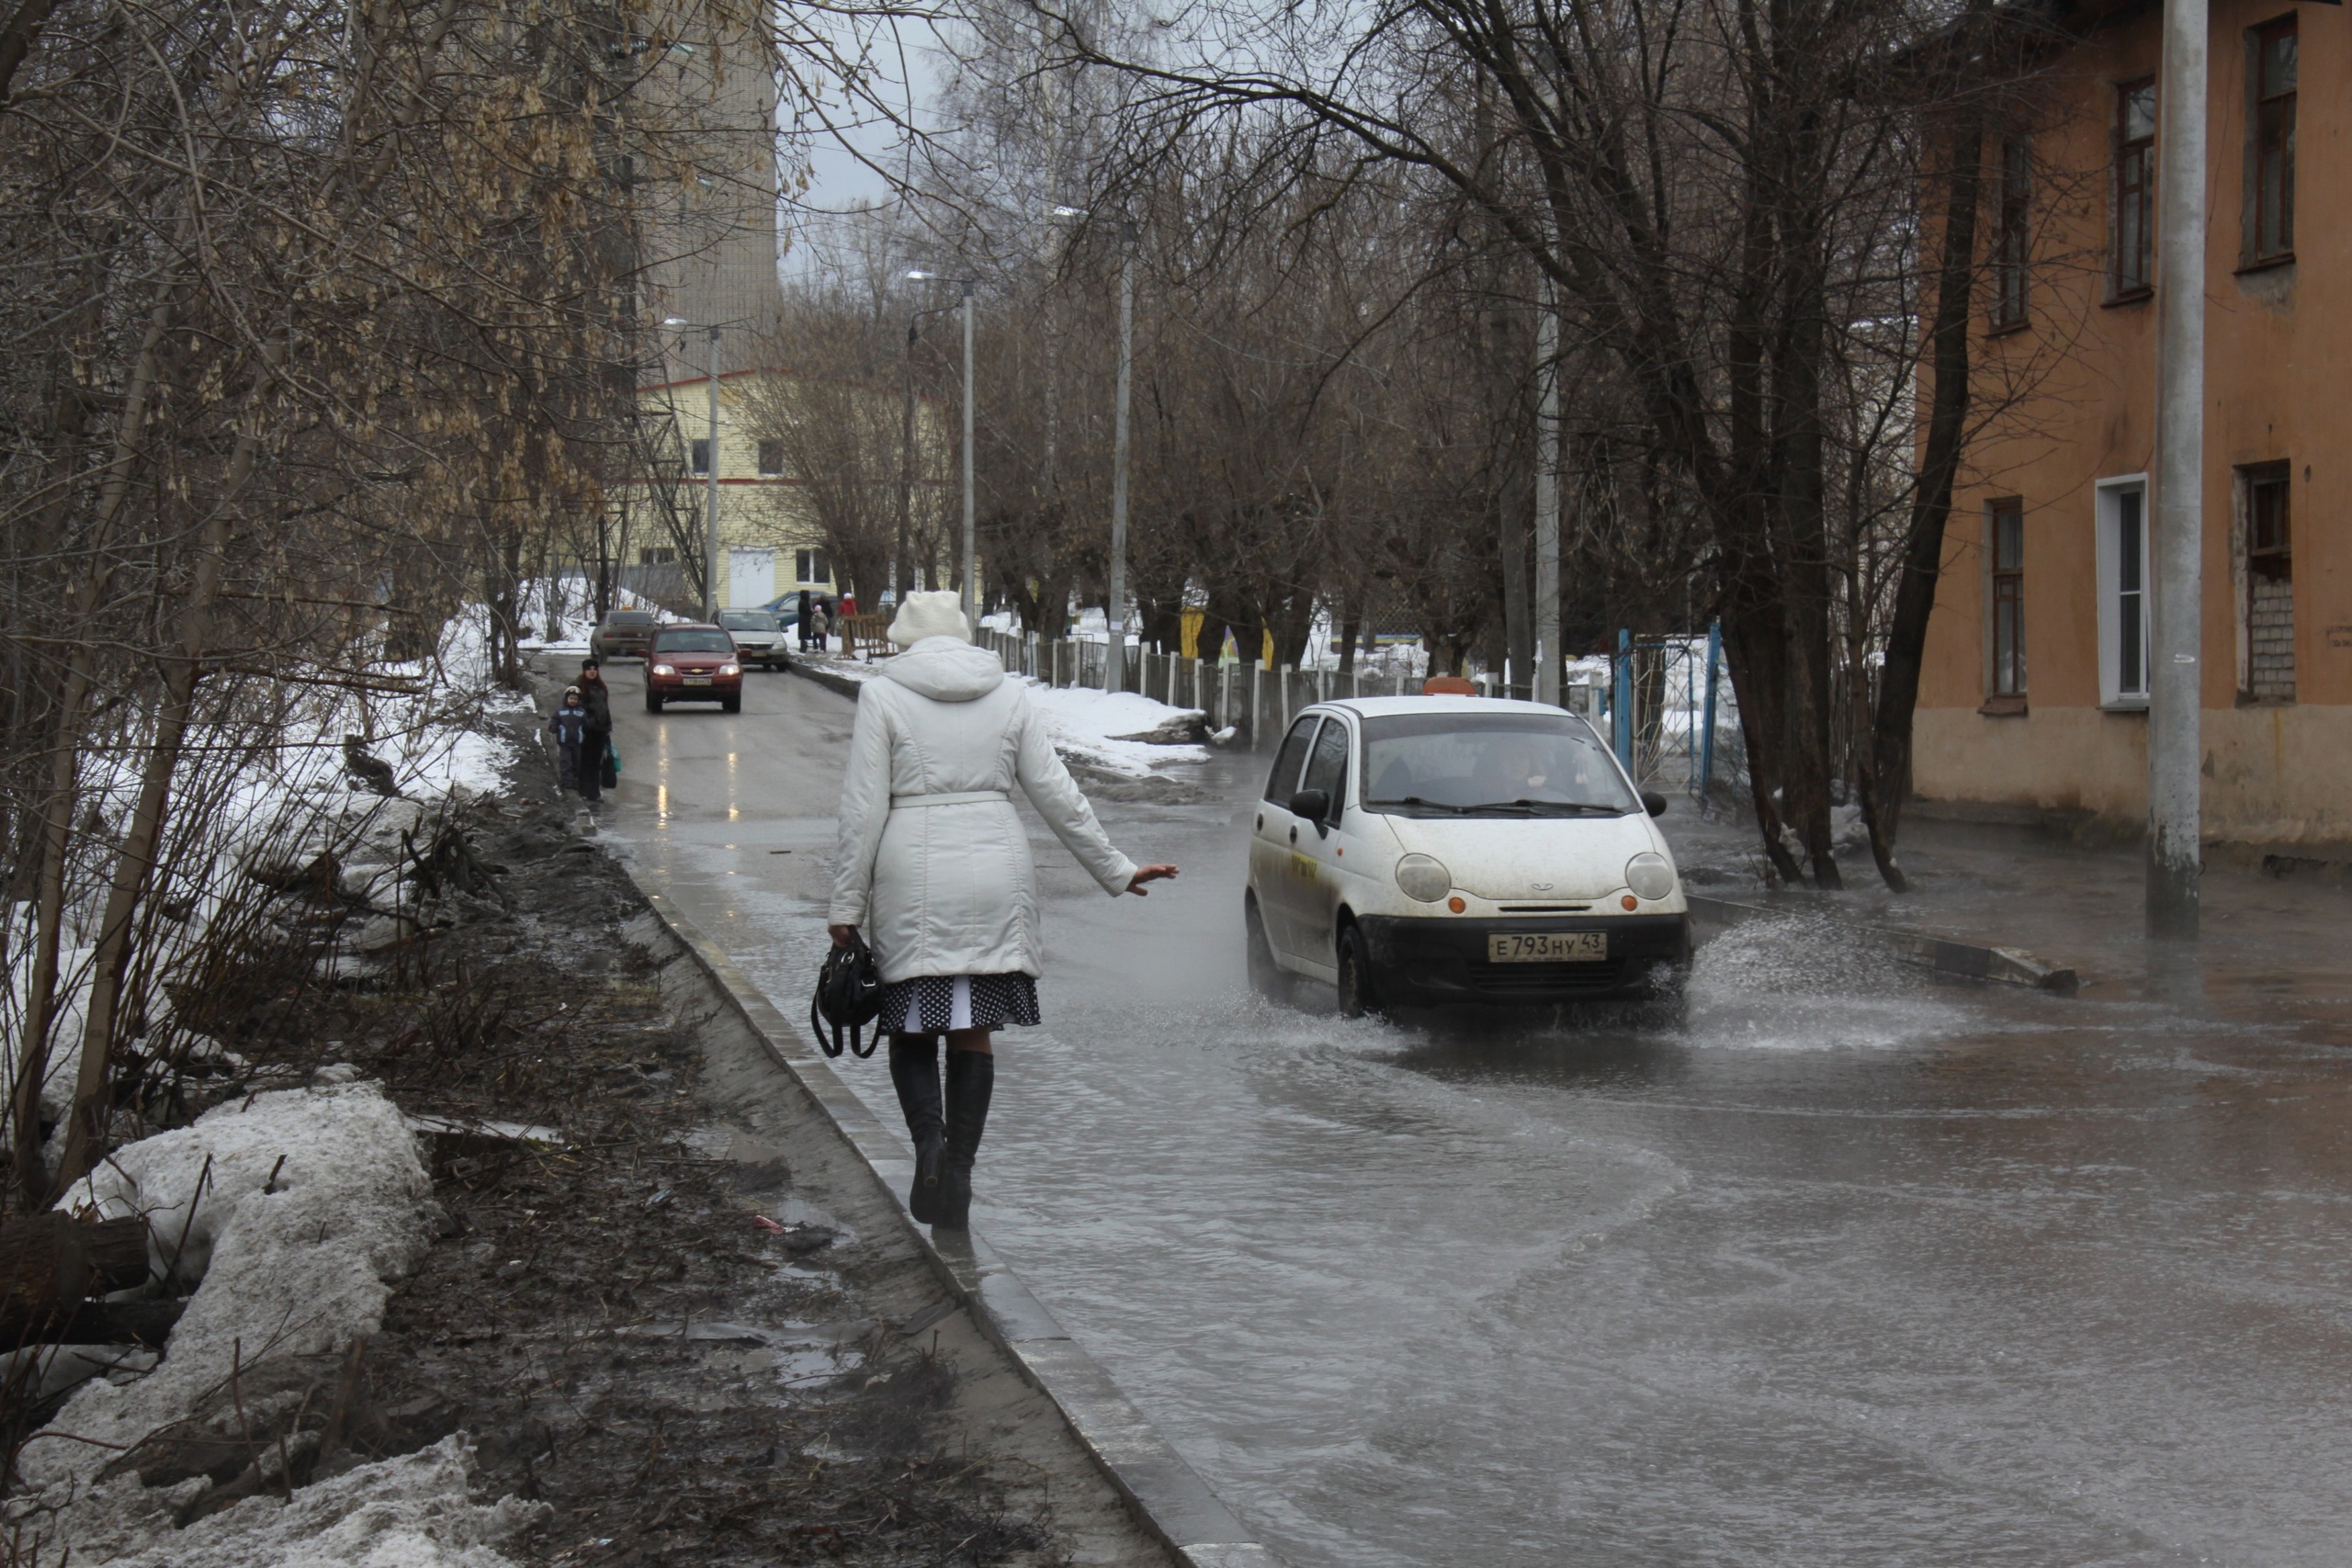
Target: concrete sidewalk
2270, 942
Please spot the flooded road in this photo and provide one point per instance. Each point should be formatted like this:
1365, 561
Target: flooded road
1853, 1268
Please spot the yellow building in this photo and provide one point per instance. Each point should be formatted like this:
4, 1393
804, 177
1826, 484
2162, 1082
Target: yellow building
768, 544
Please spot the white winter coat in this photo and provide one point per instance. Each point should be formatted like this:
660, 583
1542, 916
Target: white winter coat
947, 887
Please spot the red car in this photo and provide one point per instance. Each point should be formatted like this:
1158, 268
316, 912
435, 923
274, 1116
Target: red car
693, 663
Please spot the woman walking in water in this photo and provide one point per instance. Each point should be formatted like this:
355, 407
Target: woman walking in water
934, 863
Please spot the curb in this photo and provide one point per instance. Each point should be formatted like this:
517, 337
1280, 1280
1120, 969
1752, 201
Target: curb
1166, 1494
1964, 959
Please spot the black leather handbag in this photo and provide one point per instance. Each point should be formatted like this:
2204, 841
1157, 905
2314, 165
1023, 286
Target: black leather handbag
849, 997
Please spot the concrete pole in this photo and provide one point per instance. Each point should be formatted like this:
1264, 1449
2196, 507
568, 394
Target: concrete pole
2174, 745
1547, 501
971, 577
710, 525
1114, 667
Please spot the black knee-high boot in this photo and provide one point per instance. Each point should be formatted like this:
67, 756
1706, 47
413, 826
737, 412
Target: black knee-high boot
914, 1072
971, 1079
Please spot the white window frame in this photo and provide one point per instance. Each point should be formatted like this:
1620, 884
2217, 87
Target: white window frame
2109, 511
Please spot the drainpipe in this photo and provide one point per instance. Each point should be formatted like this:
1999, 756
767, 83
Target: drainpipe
2174, 745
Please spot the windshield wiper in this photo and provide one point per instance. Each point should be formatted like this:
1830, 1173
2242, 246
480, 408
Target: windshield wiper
1546, 807
1417, 800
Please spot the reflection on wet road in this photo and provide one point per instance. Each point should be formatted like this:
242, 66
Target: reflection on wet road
1852, 1270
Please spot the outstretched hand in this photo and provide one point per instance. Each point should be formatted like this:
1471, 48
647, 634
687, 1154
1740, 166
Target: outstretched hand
1148, 874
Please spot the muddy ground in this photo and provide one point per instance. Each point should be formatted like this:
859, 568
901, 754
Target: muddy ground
685, 1320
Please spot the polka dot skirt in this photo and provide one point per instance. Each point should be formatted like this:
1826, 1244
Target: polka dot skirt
931, 1004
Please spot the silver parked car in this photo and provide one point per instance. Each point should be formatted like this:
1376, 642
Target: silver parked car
759, 636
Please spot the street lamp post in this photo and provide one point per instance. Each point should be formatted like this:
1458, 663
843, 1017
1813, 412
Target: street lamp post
1547, 500
710, 483
971, 589
1115, 617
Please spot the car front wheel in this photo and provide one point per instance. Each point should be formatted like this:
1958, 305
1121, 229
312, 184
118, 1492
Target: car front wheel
653, 702
1359, 998
1266, 976
732, 705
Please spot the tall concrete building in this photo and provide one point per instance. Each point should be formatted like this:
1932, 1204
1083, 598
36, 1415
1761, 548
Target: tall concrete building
707, 173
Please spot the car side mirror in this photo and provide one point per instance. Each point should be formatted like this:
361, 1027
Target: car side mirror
1311, 803
1653, 803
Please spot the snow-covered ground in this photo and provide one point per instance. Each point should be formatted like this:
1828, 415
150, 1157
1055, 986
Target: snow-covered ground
292, 1213
573, 600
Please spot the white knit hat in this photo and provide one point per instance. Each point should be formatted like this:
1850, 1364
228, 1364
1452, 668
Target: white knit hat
939, 613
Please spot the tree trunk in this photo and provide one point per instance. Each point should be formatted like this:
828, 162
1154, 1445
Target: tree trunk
40, 1005
135, 864
1888, 776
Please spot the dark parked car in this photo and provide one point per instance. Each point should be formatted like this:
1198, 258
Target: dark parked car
622, 634
694, 663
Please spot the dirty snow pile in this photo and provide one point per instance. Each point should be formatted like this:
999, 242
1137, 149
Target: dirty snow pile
297, 1209
1088, 723
411, 1512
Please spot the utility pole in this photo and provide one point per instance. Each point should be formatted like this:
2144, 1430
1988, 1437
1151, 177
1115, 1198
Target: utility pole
2174, 687
710, 480
710, 526
971, 589
971, 579
902, 572
1114, 667
1547, 498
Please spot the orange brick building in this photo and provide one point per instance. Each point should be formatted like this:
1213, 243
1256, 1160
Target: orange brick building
2034, 692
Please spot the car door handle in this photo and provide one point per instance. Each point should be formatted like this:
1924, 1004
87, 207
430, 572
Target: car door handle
1294, 832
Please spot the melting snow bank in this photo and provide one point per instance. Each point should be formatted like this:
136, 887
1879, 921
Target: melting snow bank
1089, 726
411, 1512
298, 1208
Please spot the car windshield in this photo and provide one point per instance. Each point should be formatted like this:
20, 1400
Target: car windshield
693, 642
748, 621
1505, 764
628, 618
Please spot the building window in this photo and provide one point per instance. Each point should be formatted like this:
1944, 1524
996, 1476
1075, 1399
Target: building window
2122, 507
771, 459
2270, 583
2008, 599
2272, 164
2135, 188
698, 454
657, 555
2013, 233
810, 566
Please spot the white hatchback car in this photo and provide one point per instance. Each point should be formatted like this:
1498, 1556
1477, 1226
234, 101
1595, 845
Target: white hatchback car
1417, 850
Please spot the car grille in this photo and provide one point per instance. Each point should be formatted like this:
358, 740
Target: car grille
1511, 978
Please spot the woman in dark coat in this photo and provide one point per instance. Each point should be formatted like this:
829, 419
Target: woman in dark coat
597, 699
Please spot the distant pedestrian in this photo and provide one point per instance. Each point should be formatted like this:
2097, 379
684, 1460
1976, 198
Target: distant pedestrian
570, 726
934, 863
818, 625
597, 699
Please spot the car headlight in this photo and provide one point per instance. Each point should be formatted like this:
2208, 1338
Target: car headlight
1423, 879
665, 670
731, 669
1650, 876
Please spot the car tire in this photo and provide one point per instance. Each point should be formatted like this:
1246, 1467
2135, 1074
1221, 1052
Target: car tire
1358, 995
1266, 977
732, 705
653, 702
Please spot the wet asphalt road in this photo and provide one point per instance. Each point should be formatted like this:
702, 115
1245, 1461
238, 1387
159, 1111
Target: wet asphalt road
1853, 1269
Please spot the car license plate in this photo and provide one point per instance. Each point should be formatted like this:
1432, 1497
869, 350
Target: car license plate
1547, 947
697, 680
